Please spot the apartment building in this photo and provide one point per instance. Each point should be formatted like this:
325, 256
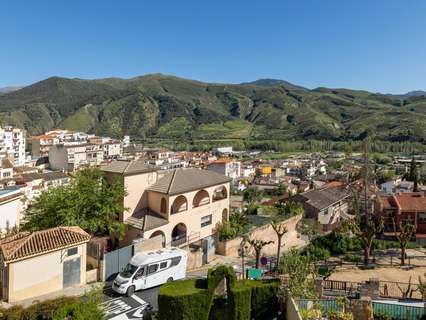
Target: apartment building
165, 159
71, 157
12, 145
182, 206
40, 145
227, 167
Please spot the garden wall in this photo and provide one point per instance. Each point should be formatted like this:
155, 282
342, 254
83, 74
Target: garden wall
265, 232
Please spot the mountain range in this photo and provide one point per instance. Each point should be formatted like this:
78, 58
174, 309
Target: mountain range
169, 107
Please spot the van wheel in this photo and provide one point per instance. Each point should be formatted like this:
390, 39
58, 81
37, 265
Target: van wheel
130, 291
170, 279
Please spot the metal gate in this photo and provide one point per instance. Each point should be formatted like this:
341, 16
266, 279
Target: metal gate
116, 260
71, 274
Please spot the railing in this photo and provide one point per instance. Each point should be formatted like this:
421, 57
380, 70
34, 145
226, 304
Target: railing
345, 286
398, 311
387, 289
395, 310
399, 290
179, 240
325, 305
184, 239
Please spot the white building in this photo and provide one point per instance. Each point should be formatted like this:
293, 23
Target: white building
6, 169
71, 157
12, 145
227, 167
10, 209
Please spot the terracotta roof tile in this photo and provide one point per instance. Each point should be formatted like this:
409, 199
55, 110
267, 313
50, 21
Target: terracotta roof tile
185, 180
26, 244
411, 201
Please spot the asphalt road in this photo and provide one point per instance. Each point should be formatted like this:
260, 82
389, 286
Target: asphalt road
120, 307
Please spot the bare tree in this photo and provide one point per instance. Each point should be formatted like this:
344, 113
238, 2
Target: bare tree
280, 230
365, 226
258, 245
406, 231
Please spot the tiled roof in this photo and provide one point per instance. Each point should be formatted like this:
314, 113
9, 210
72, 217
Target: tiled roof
46, 176
185, 180
126, 167
323, 198
411, 201
146, 220
25, 244
222, 161
5, 163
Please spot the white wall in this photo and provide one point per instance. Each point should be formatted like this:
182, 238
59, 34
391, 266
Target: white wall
9, 213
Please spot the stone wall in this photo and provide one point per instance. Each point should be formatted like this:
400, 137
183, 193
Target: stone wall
195, 259
92, 275
265, 232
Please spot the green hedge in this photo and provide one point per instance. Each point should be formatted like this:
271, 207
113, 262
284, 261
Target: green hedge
240, 301
194, 299
264, 298
185, 300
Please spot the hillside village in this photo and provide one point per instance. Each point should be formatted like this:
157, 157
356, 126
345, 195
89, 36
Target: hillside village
211, 204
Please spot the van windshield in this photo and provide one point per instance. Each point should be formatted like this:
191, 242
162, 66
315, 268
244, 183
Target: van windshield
128, 270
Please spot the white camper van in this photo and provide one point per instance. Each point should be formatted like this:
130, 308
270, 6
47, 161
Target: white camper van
151, 268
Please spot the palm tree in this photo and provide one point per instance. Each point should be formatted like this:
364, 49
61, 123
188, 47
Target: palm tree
280, 230
258, 245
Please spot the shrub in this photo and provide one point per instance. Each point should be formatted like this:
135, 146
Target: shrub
353, 258
193, 299
236, 226
240, 301
79, 308
185, 300
264, 298
317, 253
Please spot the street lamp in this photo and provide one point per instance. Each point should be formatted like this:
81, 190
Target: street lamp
241, 251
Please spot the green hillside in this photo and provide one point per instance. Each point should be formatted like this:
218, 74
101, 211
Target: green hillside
168, 107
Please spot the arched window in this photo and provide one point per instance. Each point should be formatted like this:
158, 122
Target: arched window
179, 204
163, 208
220, 193
201, 198
179, 234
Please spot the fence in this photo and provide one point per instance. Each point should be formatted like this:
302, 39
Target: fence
395, 310
398, 311
326, 305
342, 286
116, 260
399, 290
387, 289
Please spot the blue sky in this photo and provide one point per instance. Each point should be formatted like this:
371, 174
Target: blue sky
378, 45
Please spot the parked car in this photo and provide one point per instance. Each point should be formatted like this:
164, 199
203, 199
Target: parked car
151, 268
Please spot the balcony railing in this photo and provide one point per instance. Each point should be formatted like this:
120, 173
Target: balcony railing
183, 239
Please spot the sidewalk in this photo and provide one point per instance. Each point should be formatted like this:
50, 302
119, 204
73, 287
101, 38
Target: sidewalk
221, 260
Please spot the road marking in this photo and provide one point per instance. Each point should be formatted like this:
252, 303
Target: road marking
112, 299
117, 307
137, 299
